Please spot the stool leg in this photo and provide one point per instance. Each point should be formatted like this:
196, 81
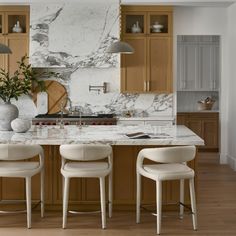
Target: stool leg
42, 192
28, 200
138, 198
159, 204
193, 203
181, 199
65, 201
110, 194
103, 201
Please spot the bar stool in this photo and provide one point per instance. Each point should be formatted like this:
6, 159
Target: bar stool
11, 165
174, 168
79, 160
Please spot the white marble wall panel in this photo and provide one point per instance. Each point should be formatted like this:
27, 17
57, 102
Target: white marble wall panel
74, 34
74, 38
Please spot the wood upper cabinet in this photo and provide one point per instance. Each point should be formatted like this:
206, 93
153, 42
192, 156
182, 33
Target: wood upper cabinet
18, 42
133, 66
159, 77
149, 69
205, 125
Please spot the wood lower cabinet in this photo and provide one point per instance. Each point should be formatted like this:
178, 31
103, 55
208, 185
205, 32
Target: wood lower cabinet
84, 193
205, 125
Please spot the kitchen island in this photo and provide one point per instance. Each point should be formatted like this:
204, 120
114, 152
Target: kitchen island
84, 193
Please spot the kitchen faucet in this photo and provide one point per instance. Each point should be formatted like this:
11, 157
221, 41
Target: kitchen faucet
67, 99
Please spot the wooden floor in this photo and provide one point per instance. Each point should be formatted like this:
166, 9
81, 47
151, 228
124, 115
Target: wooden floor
216, 213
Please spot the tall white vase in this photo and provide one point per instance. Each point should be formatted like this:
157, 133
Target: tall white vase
8, 112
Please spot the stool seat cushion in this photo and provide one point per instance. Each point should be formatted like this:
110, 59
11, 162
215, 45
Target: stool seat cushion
7, 166
85, 166
169, 171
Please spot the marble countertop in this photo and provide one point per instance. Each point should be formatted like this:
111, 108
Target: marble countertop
113, 135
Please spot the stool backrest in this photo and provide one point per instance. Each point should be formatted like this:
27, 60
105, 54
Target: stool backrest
14, 152
85, 152
178, 154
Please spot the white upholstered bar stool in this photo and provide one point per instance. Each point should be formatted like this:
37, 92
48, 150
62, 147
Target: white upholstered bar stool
81, 160
172, 166
11, 165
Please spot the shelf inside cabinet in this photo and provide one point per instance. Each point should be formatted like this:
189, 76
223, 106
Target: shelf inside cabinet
12, 21
158, 24
134, 24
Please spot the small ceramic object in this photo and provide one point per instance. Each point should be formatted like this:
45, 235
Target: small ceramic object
156, 27
20, 125
136, 28
17, 28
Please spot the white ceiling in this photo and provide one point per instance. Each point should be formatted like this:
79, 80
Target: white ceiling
207, 3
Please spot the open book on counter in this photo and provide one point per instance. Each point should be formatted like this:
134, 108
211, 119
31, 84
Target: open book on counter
142, 135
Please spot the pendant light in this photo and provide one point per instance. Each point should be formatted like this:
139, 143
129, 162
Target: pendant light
4, 49
120, 46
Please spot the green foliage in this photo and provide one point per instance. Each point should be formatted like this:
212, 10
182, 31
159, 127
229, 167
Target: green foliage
22, 81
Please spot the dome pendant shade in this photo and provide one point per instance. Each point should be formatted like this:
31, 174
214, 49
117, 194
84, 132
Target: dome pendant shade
4, 49
120, 47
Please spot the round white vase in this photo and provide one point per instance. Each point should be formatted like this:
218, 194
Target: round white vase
20, 125
8, 112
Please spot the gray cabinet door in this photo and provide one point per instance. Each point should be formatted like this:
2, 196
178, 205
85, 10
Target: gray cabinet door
198, 64
187, 66
208, 67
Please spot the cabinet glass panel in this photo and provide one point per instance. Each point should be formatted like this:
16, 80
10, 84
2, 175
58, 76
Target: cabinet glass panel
16, 23
134, 24
158, 24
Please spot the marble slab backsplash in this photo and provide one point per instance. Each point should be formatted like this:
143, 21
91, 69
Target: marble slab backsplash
72, 38
141, 105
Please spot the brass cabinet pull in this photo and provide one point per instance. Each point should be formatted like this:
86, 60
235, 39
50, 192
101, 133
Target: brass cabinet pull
145, 86
148, 85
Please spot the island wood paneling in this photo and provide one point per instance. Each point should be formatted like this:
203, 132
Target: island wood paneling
84, 193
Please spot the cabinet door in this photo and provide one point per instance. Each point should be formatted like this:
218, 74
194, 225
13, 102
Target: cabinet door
133, 67
195, 125
2, 56
159, 65
19, 47
187, 66
181, 119
210, 133
208, 67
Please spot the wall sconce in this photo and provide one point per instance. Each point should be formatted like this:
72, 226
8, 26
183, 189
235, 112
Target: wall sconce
100, 88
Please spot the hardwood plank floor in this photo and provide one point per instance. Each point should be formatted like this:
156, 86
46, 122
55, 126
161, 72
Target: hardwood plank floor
216, 213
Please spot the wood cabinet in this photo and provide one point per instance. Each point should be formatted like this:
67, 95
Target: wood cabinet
206, 125
149, 69
198, 63
18, 42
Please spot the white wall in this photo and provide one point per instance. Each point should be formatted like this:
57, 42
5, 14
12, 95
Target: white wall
232, 86
206, 21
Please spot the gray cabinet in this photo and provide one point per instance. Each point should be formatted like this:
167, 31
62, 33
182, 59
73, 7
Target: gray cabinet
198, 63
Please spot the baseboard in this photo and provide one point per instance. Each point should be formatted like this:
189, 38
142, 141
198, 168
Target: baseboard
232, 162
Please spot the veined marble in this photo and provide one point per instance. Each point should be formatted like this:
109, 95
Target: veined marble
73, 37
74, 34
113, 135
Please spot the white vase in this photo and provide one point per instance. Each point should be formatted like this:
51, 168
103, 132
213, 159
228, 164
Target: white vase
8, 112
20, 125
